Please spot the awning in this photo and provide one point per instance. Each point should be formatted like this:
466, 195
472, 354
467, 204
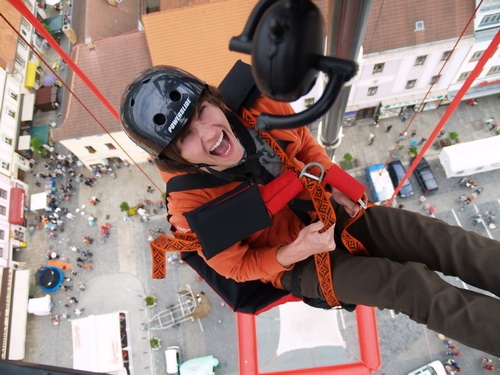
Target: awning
19, 318
24, 142
38, 201
31, 75
16, 209
97, 343
28, 105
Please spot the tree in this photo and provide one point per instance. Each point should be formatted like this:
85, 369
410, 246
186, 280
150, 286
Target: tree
454, 136
124, 207
36, 144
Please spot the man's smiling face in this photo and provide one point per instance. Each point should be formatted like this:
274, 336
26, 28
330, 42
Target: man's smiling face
210, 139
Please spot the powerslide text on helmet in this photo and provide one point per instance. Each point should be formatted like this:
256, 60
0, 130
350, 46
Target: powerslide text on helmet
157, 105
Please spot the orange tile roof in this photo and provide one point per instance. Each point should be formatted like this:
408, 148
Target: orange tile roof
391, 23
8, 41
196, 38
99, 20
111, 67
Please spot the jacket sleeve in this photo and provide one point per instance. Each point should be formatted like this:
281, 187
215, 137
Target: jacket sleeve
253, 258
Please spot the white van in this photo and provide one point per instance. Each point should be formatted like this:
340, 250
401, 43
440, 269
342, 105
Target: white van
173, 360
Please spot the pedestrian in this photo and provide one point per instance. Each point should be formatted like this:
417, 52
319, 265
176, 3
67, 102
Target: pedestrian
472, 102
422, 140
199, 136
371, 139
441, 133
405, 117
403, 135
70, 216
78, 311
388, 129
413, 133
489, 121
149, 189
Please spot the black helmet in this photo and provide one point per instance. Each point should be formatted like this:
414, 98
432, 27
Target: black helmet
157, 105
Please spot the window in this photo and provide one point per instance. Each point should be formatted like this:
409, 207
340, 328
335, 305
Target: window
490, 20
4, 165
90, 149
3, 210
420, 60
435, 79
13, 95
20, 61
2, 234
309, 102
463, 76
110, 146
494, 70
372, 90
22, 43
445, 56
410, 84
476, 56
7, 140
11, 113
419, 26
3, 193
378, 68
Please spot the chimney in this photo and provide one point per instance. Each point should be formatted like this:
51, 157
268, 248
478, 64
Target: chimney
90, 43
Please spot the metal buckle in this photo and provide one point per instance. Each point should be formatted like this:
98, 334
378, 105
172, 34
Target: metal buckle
309, 175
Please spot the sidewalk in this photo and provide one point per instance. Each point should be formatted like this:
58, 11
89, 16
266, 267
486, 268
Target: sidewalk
467, 121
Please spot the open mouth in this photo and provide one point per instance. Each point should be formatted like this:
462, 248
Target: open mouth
222, 146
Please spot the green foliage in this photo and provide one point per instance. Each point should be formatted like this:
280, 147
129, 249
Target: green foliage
150, 300
413, 151
155, 343
348, 157
132, 211
453, 136
36, 144
124, 207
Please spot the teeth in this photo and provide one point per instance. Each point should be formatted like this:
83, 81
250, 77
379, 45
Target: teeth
217, 144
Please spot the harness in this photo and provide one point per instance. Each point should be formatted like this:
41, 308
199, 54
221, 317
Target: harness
255, 296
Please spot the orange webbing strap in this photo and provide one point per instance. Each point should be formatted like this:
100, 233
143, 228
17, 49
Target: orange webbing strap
163, 244
327, 215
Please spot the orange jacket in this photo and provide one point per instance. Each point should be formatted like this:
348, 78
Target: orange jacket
254, 258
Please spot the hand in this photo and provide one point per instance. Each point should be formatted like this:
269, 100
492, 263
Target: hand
352, 208
309, 242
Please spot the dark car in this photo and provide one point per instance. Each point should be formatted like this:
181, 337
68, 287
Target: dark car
425, 177
397, 172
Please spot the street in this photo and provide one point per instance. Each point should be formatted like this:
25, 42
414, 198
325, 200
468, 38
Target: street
121, 265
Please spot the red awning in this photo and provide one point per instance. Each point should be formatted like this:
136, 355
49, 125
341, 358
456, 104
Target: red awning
16, 210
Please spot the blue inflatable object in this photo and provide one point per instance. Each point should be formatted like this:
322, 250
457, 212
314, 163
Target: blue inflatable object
50, 279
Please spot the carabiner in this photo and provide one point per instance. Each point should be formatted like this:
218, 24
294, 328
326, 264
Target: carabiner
307, 174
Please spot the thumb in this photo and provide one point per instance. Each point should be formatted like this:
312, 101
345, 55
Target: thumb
318, 225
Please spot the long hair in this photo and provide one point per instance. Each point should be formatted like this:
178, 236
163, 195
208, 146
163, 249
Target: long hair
170, 159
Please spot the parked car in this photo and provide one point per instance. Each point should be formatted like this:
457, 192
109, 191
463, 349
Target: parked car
173, 360
397, 172
425, 177
433, 368
379, 182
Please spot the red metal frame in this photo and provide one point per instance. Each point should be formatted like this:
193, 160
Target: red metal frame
368, 347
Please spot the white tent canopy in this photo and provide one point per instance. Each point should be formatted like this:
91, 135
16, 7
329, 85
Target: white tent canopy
97, 343
321, 328
38, 201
